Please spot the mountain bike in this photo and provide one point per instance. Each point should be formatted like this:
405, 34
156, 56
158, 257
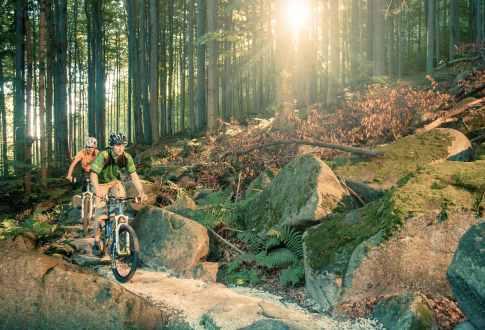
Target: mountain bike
87, 207
119, 240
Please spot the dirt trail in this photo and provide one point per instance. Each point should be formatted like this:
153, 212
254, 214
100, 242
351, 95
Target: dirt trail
228, 308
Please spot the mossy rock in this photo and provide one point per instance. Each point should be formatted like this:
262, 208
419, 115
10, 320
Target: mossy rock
432, 210
256, 186
405, 312
170, 241
467, 275
267, 324
304, 191
406, 156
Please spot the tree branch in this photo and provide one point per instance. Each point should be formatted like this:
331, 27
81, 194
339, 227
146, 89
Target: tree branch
449, 115
354, 150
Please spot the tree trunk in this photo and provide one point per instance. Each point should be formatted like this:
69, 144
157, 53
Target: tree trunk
19, 110
190, 57
3, 118
201, 86
212, 76
42, 59
430, 36
478, 21
355, 39
61, 140
29, 117
99, 68
454, 28
334, 65
154, 50
379, 38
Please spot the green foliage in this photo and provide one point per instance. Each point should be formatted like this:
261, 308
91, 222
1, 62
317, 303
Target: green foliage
279, 258
208, 323
293, 275
9, 228
278, 249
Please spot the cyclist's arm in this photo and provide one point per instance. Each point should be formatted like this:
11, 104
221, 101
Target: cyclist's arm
134, 177
137, 183
96, 168
76, 160
93, 176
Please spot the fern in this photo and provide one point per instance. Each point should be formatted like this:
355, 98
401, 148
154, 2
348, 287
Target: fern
278, 258
272, 243
292, 275
251, 238
292, 240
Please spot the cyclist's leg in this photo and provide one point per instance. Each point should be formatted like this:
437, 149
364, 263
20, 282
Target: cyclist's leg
100, 213
84, 182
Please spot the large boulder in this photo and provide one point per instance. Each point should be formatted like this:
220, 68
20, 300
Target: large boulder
42, 292
170, 241
403, 241
304, 191
405, 157
151, 190
467, 275
404, 312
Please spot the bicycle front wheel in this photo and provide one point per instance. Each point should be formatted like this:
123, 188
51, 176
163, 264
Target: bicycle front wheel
125, 254
87, 212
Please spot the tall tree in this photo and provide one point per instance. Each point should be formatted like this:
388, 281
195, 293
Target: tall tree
201, 85
453, 24
355, 38
3, 119
19, 111
212, 77
334, 65
190, 57
154, 51
430, 35
43, 5
60, 77
379, 38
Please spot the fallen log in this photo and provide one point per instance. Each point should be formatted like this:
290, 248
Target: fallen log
354, 150
458, 60
449, 115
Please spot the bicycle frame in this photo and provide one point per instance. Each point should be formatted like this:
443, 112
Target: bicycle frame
116, 218
87, 194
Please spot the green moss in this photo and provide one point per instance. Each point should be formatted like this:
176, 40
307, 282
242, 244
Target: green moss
424, 317
330, 245
289, 191
401, 158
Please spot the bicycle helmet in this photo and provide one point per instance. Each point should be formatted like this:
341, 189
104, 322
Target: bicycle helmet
117, 138
91, 142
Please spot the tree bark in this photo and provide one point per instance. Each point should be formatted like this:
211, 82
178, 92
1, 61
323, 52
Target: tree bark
212, 76
334, 65
379, 38
201, 85
154, 50
430, 36
3, 118
454, 28
19, 110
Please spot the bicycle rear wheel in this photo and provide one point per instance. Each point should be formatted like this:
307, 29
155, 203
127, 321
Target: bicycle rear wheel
125, 260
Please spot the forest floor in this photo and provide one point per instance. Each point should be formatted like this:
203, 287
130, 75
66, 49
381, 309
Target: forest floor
223, 165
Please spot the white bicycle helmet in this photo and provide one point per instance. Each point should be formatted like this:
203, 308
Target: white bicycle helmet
91, 142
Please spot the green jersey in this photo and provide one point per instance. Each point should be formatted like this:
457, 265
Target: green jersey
109, 169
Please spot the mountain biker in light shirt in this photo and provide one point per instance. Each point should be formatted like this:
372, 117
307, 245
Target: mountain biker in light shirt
106, 177
86, 156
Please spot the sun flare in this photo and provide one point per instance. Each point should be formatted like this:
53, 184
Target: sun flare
298, 13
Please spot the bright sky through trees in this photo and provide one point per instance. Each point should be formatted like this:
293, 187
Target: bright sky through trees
298, 13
